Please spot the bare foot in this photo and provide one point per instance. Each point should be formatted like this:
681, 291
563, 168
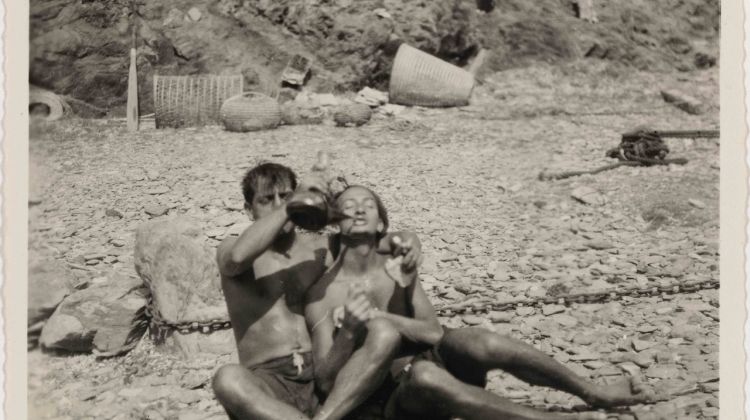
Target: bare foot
627, 392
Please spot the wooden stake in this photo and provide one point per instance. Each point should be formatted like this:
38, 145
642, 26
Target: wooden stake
132, 106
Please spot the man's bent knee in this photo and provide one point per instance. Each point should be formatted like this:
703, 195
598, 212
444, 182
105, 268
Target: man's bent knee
426, 375
226, 380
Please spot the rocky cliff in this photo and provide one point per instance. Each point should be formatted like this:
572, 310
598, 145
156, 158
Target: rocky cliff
81, 48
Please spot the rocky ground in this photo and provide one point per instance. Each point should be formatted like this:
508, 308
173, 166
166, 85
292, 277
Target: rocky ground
465, 179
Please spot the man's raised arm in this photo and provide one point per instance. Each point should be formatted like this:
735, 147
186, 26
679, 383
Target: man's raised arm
235, 256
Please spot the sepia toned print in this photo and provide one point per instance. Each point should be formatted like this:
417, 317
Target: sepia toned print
550, 173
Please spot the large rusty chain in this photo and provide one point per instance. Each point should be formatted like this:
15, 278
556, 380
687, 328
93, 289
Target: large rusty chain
159, 327
485, 305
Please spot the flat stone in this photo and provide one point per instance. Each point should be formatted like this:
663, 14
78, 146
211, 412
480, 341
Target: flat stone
454, 294
643, 360
525, 311
599, 244
695, 306
552, 309
113, 213
449, 238
225, 220
589, 196
194, 379
191, 415
607, 370
497, 316
156, 211
130, 392
640, 345
582, 340
666, 357
565, 320
536, 292
163, 189
586, 355
646, 328
630, 368
216, 233
594, 364
675, 342
663, 310
500, 274
49, 283
472, 319
682, 101
118, 242
662, 372
99, 318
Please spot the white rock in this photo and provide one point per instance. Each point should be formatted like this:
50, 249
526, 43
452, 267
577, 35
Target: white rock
194, 14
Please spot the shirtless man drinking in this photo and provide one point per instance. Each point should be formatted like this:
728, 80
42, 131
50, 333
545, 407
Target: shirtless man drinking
265, 273
447, 371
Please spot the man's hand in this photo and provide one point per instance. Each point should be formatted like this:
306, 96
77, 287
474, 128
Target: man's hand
408, 245
356, 313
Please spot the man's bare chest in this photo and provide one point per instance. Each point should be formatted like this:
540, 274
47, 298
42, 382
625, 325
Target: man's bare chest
378, 286
277, 275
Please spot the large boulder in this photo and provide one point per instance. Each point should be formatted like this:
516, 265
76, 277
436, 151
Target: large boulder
106, 317
180, 270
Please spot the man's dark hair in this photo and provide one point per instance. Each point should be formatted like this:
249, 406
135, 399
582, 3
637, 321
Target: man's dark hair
382, 212
266, 175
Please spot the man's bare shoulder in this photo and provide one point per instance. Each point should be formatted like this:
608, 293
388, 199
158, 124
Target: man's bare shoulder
222, 253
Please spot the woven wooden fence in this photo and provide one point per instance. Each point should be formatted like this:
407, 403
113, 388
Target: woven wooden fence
183, 101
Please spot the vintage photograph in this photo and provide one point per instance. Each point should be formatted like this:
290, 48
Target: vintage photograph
373, 209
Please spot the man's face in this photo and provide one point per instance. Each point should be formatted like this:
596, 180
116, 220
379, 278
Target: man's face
360, 206
268, 198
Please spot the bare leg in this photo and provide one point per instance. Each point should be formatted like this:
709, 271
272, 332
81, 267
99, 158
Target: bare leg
474, 351
432, 392
364, 372
245, 396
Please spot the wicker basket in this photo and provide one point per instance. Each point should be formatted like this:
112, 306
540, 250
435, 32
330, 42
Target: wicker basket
354, 114
294, 114
418, 78
192, 100
250, 111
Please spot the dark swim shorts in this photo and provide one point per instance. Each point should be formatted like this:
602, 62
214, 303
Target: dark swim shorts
288, 383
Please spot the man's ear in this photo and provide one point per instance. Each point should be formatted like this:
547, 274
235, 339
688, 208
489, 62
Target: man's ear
249, 211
